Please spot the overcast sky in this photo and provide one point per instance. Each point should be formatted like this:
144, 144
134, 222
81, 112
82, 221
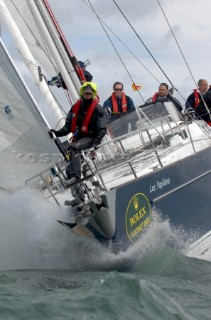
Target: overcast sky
190, 22
189, 19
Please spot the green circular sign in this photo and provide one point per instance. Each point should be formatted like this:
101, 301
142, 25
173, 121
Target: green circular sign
137, 215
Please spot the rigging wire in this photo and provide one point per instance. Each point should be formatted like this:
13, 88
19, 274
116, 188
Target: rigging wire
114, 48
124, 44
144, 44
177, 42
45, 50
140, 110
185, 60
32, 33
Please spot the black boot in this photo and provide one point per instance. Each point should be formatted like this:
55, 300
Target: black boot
78, 194
71, 203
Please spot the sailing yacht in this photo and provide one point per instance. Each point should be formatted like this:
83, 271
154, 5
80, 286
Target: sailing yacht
153, 161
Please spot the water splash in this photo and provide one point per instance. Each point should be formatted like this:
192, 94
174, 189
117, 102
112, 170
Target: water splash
30, 238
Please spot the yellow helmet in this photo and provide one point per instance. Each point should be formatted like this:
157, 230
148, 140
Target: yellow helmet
92, 85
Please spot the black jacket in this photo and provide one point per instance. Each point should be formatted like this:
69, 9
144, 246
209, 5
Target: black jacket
97, 126
190, 103
201, 110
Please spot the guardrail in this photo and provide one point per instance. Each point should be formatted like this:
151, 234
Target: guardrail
127, 151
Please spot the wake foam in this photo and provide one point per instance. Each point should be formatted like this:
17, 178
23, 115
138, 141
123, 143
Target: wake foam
31, 238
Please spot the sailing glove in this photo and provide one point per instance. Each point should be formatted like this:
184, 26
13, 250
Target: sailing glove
50, 132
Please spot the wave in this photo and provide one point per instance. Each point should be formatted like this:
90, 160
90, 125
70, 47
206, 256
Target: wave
30, 238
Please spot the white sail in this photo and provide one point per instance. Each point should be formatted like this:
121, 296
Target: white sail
31, 63
23, 18
44, 41
53, 41
25, 147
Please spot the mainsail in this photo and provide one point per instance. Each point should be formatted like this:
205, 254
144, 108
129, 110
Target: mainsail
25, 147
45, 41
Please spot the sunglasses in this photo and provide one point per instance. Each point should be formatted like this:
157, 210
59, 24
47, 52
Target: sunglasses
90, 93
116, 89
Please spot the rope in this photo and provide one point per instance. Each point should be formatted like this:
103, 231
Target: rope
115, 48
124, 44
187, 65
143, 44
45, 49
177, 43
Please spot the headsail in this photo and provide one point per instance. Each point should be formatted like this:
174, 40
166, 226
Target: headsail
44, 40
21, 127
25, 147
30, 62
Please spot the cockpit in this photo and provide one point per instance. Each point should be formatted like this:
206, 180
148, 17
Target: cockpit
144, 117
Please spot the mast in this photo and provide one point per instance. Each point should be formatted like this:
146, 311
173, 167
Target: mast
53, 40
30, 62
64, 42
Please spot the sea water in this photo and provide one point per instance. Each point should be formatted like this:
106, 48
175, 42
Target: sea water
46, 272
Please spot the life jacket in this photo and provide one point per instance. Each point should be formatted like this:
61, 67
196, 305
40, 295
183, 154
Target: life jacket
154, 98
196, 98
208, 122
75, 110
115, 105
